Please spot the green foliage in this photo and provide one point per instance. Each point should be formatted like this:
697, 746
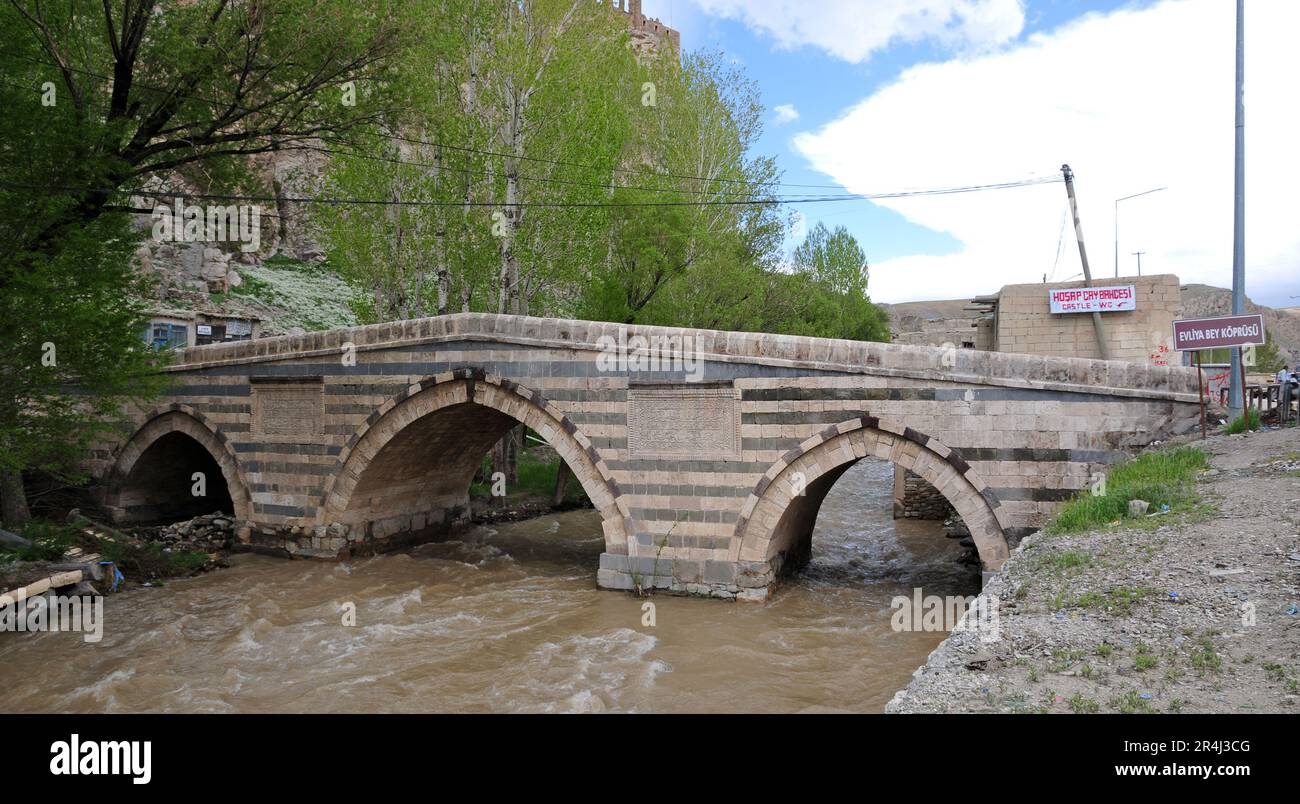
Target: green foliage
101, 100
536, 470
147, 561
1268, 358
1081, 705
513, 105
310, 295
50, 540
1120, 599
72, 323
1161, 477
1205, 658
834, 269
1132, 703
1238, 425
553, 172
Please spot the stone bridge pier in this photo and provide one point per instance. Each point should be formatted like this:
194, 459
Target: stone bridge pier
707, 454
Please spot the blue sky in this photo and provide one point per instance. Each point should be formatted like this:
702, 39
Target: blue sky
841, 90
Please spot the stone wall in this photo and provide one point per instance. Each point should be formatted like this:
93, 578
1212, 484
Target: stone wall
648, 35
1026, 324
914, 498
963, 333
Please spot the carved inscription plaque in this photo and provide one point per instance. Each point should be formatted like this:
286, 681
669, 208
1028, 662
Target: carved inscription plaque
683, 422
289, 410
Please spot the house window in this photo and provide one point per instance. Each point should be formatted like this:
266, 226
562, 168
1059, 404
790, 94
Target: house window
1209, 357
209, 333
239, 330
160, 335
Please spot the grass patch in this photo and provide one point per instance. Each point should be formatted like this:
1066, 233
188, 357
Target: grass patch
1161, 477
149, 561
1205, 658
1238, 425
536, 471
1274, 671
1069, 562
1083, 706
1120, 599
50, 540
1130, 703
301, 294
137, 560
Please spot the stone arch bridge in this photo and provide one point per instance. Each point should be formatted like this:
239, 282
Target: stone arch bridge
707, 454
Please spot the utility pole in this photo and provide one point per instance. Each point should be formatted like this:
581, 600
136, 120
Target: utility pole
1237, 386
1102, 351
1139, 254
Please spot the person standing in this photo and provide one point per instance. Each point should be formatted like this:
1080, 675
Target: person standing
1287, 382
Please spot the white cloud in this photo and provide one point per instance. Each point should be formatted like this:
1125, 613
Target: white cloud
785, 113
1132, 100
854, 29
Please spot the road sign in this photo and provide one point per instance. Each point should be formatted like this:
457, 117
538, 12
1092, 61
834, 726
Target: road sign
1108, 299
1216, 333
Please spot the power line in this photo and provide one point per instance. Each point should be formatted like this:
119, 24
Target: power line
525, 204
634, 171
543, 179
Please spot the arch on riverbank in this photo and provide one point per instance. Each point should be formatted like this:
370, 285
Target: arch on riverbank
152, 475
415, 457
777, 518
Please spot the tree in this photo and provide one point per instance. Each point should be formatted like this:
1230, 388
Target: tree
834, 267
1269, 358
103, 100
518, 117
700, 219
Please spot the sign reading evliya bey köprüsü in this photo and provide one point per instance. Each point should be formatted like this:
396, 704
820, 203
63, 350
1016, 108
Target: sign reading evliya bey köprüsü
1109, 299
1216, 333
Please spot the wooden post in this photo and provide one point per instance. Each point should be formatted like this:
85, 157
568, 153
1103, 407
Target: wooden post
561, 484
1245, 411
1200, 391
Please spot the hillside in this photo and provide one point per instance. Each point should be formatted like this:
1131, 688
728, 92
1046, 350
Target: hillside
289, 296
1204, 301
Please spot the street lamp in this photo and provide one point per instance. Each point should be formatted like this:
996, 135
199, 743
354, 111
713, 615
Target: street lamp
1125, 198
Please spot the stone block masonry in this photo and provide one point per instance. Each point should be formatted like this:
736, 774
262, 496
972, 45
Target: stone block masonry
1025, 322
916, 499
707, 473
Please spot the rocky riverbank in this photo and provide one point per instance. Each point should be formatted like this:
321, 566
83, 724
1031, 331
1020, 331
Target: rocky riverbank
1199, 614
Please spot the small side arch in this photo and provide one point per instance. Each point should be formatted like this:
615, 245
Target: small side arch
185, 427
418, 453
778, 516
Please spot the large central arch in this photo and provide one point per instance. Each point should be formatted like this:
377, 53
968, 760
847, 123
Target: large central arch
777, 519
410, 466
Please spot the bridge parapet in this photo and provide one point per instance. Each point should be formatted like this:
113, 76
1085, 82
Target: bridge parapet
1007, 369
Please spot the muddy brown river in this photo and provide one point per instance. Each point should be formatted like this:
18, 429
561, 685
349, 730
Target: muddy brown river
507, 619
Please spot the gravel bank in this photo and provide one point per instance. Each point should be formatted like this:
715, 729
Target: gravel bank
1128, 619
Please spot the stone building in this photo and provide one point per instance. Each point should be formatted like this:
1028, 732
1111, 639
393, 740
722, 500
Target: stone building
1024, 322
648, 34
